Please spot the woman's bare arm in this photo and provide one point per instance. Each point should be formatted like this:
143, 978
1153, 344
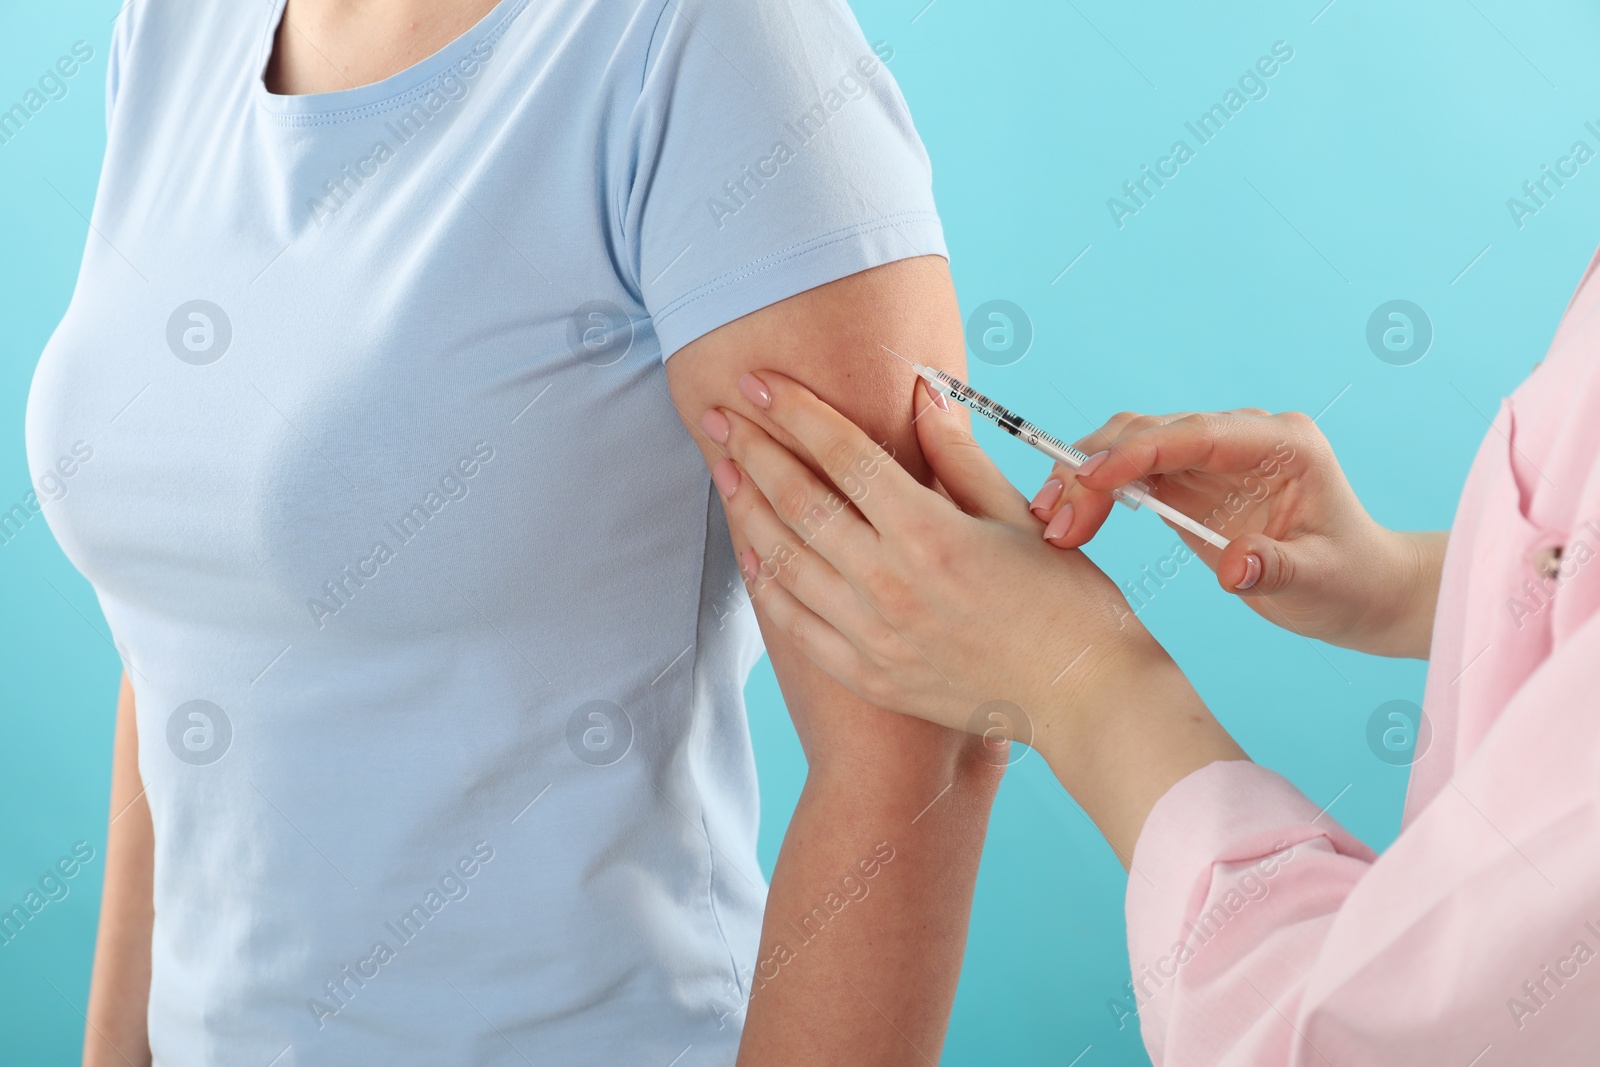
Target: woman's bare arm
894, 810
119, 991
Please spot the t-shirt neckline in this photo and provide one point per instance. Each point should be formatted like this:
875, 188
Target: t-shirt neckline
365, 100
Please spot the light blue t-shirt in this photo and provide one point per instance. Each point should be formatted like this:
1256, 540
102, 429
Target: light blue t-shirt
362, 435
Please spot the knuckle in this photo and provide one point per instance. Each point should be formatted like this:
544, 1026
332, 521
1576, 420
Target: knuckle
885, 648
893, 599
791, 567
838, 455
1202, 423
800, 632
1140, 423
1298, 421
792, 502
874, 578
870, 460
1116, 426
1285, 568
887, 589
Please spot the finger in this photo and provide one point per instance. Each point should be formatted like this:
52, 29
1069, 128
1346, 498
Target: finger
1217, 443
788, 488
1116, 426
1073, 513
807, 631
1053, 494
968, 475
860, 467
1254, 564
1078, 517
786, 561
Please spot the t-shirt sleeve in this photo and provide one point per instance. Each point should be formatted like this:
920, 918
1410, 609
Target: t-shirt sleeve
770, 152
116, 58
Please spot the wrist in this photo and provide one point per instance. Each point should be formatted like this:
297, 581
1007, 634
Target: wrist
1130, 727
1400, 621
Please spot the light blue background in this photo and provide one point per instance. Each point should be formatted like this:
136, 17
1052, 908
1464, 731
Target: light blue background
1378, 167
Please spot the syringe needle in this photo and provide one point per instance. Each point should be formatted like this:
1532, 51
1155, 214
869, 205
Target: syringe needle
898, 356
1133, 495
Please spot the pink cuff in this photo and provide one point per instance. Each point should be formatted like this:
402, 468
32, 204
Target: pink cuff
1228, 812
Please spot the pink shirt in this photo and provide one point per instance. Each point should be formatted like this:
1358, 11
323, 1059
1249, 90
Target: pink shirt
1261, 933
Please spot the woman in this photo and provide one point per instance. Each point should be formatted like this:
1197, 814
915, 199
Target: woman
431, 747
1259, 931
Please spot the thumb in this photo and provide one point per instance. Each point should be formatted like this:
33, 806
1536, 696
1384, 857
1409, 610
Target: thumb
963, 468
1254, 564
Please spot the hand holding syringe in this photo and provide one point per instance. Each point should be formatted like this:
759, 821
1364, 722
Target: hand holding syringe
1133, 495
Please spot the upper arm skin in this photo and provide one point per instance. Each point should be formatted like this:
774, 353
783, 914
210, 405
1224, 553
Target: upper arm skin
878, 985
832, 339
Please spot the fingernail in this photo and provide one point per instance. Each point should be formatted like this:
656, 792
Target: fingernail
940, 399
1059, 525
1047, 496
750, 563
726, 475
1252, 572
716, 426
755, 390
1092, 464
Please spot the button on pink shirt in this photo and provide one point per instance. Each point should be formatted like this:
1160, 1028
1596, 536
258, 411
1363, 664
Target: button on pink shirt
1261, 933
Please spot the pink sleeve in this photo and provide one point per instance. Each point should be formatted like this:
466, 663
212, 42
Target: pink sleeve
1262, 935
1235, 881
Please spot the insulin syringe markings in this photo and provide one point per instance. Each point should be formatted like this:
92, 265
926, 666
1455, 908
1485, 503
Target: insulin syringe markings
1133, 495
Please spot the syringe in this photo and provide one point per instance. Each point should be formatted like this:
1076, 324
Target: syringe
1133, 495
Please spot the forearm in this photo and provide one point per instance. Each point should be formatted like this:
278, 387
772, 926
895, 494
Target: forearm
866, 920
119, 990
1125, 728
